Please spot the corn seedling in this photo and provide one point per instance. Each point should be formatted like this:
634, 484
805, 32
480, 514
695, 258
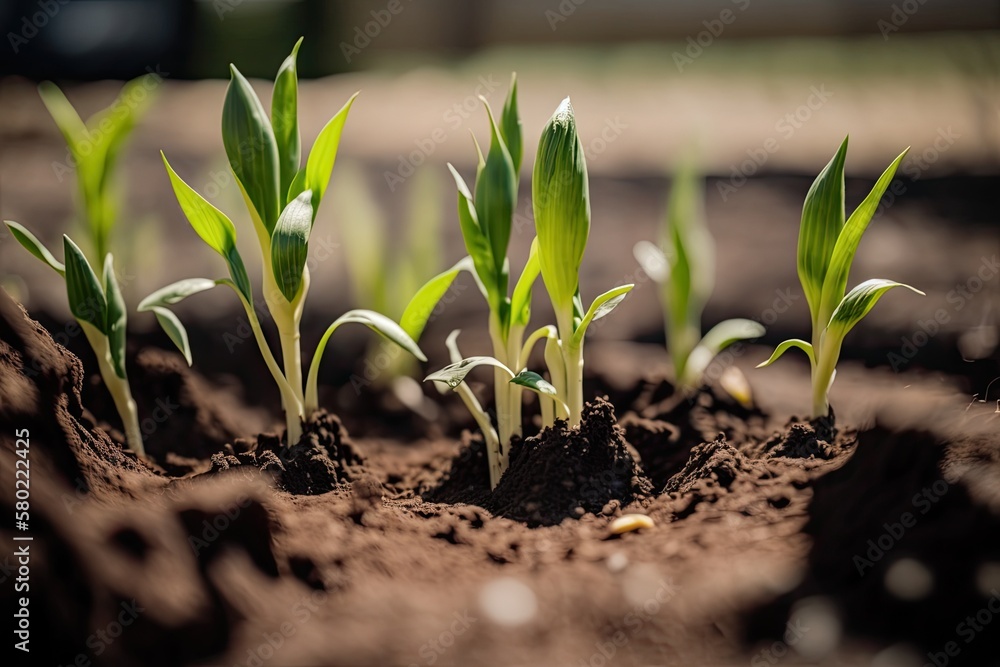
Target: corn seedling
282, 198
94, 148
485, 214
98, 307
561, 200
684, 267
827, 245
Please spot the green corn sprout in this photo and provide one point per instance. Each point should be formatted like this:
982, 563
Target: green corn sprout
94, 147
561, 202
98, 307
282, 198
684, 266
827, 245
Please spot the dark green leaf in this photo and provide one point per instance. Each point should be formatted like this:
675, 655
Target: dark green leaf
290, 244
116, 317
284, 120
496, 197
86, 297
34, 246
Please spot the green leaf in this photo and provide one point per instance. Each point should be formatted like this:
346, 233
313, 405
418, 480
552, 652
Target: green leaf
476, 243
418, 312
34, 246
822, 222
116, 317
510, 126
290, 244
323, 155
86, 297
454, 374
718, 338
561, 201
67, 119
251, 147
176, 292
652, 260
171, 324
285, 121
835, 283
602, 306
520, 303
859, 302
535, 382
213, 226
783, 347
496, 197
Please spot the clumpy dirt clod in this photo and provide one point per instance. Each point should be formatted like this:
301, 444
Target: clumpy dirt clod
323, 459
567, 472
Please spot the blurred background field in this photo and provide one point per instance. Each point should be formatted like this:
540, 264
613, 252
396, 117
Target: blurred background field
762, 90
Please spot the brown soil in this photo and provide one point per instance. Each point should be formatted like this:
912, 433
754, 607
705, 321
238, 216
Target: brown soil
391, 552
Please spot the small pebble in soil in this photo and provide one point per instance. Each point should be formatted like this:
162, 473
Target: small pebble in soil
508, 601
629, 522
617, 562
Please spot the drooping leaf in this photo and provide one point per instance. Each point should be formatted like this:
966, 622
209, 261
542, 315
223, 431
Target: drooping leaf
510, 126
835, 283
859, 302
116, 317
174, 329
785, 346
822, 222
323, 155
421, 307
290, 244
251, 147
454, 374
652, 260
718, 338
496, 197
213, 226
601, 307
34, 246
176, 292
86, 296
561, 201
285, 121
534, 382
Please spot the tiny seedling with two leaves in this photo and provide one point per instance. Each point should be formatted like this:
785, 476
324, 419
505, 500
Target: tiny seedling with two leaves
827, 245
96, 302
684, 267
282, 198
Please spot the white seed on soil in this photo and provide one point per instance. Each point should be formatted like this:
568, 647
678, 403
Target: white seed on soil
629, 522
508, 601
909, 579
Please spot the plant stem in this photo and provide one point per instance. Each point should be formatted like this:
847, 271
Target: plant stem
119, 388
827, 353
501, 385
572, 356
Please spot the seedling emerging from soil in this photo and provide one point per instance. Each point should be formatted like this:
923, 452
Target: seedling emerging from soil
561, 201
94, 147
98, 307
827, 244
282, 198
485, 219
684, 266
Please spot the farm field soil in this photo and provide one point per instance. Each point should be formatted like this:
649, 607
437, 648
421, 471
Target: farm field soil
772, 540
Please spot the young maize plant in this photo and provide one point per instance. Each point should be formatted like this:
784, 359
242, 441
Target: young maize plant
94, 148
561, 200
99, 309
282, 198
485, 220
827, 245
684, 267
96, 304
